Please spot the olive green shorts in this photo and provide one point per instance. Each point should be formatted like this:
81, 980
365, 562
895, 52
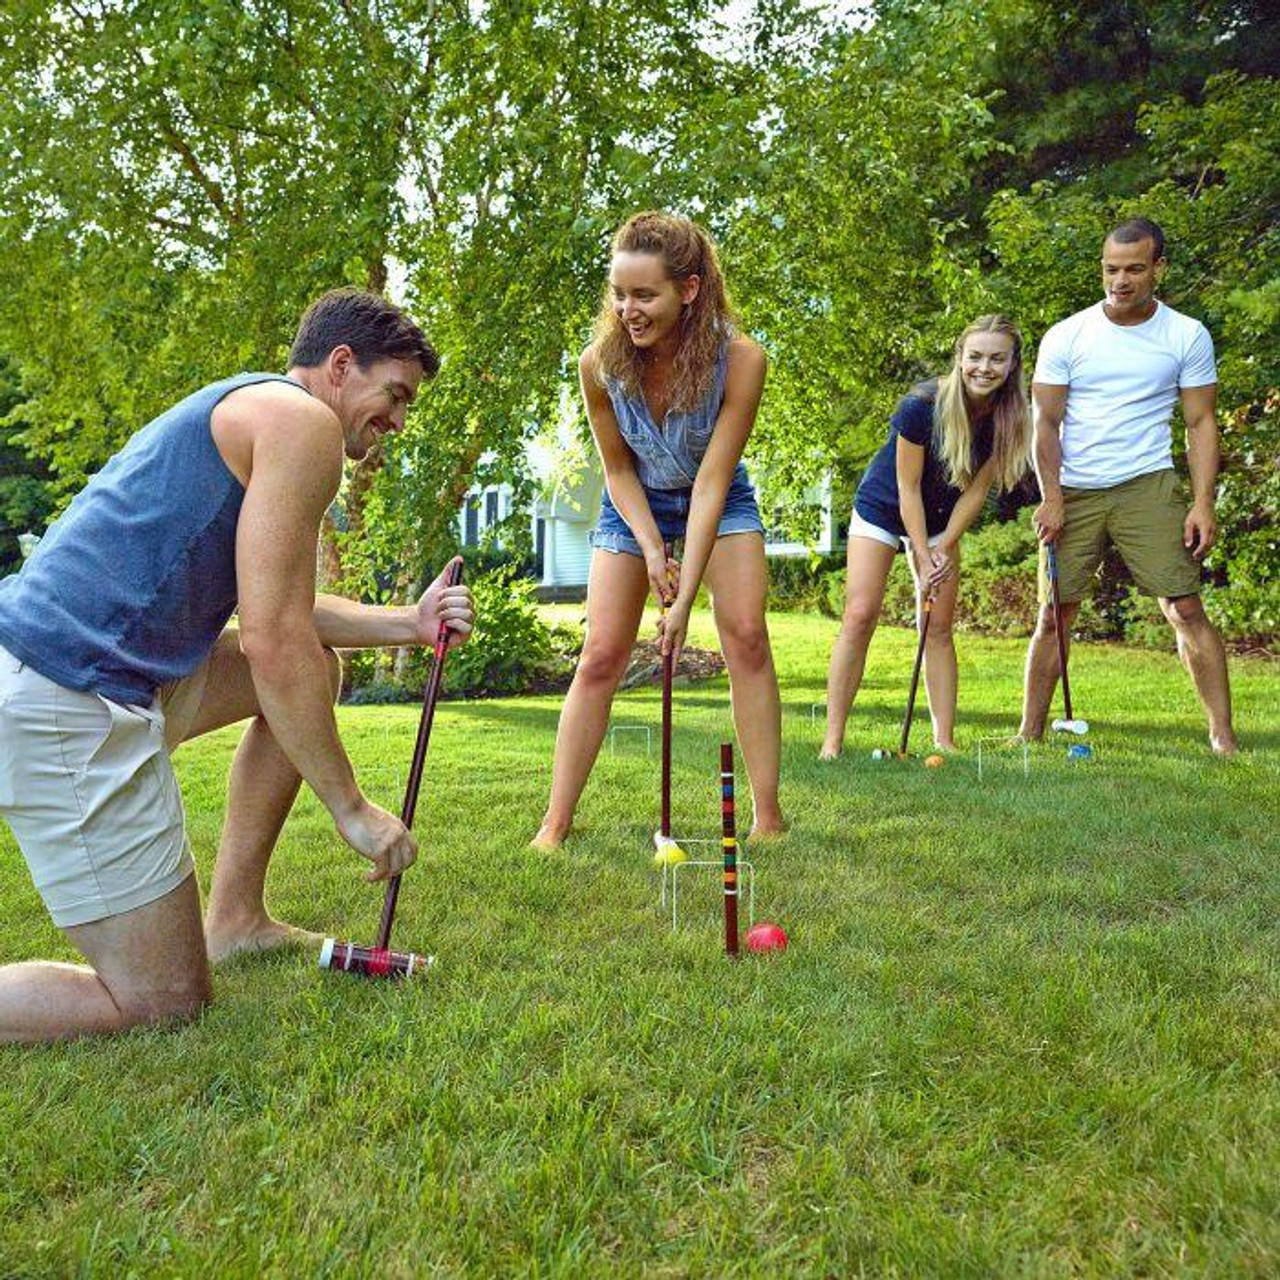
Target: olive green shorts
1143, 519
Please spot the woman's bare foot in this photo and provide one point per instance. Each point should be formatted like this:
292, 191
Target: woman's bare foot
224, 939
551, 835
947, 748
769, 829
1224, 746
830, 752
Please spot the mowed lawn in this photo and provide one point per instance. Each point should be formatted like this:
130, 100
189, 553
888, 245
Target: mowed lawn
1026, 1025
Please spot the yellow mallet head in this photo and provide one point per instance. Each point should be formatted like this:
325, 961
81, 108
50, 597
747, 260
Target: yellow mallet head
667, 853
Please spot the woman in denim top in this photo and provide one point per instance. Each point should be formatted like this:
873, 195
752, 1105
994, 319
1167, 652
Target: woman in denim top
671, 392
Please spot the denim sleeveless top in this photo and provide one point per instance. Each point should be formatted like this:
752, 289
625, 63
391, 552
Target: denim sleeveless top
132, 584
667, 457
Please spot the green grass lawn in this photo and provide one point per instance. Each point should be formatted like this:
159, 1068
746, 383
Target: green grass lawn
1026, 1026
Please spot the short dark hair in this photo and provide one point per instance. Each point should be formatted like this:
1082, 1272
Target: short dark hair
1134, 229
372, 327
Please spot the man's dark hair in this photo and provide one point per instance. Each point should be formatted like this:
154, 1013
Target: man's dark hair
1134, 229
372, 327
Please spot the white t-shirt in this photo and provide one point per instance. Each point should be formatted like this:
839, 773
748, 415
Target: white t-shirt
1123, 383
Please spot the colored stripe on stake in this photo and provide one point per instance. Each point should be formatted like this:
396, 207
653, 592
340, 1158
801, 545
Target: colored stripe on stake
730, 843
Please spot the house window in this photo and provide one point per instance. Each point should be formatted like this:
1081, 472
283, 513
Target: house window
539, 545
490, 508
471, 528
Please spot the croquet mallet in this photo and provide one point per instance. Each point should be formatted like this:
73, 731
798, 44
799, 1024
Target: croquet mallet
1069, 724
667, 851
915, 676
381, 961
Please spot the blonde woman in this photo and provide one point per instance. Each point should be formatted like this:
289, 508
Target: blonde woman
951, 440
671, 391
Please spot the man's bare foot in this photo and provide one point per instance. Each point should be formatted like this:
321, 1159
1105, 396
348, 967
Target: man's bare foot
1224, 745
550, 836
226, 939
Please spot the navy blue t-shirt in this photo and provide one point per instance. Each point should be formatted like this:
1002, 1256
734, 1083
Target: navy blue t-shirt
877, 498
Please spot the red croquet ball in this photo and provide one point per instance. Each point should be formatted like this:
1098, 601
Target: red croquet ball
766, 936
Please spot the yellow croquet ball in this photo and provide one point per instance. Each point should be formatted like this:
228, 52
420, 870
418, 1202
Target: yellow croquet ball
935, 761
669, 855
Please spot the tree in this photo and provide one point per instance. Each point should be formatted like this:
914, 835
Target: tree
25, 502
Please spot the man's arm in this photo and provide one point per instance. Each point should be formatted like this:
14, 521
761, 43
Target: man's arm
347, 624
1050, 408
296, 465
1203, 457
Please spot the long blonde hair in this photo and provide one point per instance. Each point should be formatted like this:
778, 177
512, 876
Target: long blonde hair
705, 323
1011, 419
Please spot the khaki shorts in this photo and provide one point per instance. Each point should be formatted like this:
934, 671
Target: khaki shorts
88, 789
1143, 519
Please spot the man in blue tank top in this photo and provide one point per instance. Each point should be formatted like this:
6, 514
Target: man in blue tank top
114, 649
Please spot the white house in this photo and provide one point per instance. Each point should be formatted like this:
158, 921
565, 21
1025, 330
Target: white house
565, 512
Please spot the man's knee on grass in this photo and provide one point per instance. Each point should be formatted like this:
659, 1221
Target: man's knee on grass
168, 1004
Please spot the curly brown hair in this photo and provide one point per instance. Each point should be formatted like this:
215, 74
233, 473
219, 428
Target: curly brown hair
705, 323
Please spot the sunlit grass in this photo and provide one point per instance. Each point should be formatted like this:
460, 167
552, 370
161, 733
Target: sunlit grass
1025, 1025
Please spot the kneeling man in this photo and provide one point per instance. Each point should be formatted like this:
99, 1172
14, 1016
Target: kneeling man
113, 652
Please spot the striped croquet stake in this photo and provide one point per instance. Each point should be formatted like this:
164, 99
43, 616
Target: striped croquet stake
664, 824
730, 842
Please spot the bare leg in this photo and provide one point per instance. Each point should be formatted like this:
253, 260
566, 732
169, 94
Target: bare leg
149, 966
867, 570
261, 790
1043, 670
739, 583
615, 604
941, 674
1202, 653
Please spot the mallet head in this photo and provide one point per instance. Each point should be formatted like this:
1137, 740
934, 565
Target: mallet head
372, 962
666, 852
1078, 727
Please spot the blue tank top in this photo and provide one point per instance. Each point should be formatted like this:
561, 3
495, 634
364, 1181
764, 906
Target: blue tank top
668, 457
133, 583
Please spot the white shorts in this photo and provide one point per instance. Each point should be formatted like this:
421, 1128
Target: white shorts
860, 528
88, 789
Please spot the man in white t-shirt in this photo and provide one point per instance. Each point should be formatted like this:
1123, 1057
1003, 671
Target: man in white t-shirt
1106, 383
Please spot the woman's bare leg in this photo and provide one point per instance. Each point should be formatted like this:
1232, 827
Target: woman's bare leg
616, 593
738, 580
941, 672
868, 563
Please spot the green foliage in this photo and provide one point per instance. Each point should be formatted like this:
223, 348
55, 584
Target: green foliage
873, 186
511, 645
25, 500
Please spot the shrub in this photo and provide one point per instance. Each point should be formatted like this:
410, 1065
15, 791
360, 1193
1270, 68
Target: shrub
511, 647
800, 583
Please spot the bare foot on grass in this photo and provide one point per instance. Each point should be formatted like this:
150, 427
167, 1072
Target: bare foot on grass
763, 831
829, 752
224, 940
550, 836
1224, 746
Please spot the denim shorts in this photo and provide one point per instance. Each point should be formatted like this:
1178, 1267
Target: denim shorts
670, 509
